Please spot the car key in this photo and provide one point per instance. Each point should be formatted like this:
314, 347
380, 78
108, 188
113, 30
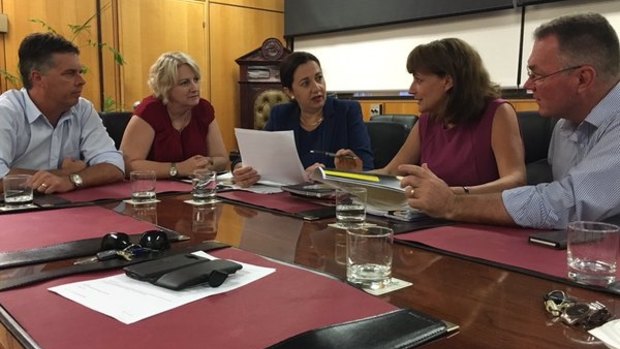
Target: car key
100, 256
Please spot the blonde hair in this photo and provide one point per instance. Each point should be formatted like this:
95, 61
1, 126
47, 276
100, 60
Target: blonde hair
163, 73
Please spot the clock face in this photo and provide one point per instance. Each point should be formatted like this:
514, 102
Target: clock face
272, 49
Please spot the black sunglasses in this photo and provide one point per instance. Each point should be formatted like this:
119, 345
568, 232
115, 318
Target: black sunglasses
152, 240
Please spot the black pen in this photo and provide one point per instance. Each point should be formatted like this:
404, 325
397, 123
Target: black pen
333, 155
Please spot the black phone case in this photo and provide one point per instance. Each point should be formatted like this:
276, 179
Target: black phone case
213, 273
152, 270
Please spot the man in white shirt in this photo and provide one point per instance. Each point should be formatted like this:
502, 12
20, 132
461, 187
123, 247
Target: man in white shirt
47, 129
574, 70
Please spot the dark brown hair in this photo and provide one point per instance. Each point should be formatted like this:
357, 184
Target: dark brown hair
36, 51
472, 87
290, 64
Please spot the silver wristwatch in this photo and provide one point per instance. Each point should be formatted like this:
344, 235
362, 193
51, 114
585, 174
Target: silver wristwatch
173, 172
76, 179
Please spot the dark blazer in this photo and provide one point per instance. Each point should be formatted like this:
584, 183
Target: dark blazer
342, 127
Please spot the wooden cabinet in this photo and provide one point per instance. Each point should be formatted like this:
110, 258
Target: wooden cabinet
259, 70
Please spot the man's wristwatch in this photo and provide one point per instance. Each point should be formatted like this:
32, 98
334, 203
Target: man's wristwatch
173, 172
76, 180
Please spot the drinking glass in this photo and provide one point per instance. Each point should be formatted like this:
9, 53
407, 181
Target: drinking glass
351, 207
204, 186
143, 186
16, 189
592, 252
369, 256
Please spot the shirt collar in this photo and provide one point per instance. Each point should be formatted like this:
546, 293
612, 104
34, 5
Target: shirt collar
606, 108
33, 112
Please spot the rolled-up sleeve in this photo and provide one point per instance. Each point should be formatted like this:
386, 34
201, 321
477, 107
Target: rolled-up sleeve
96, 146
589, 191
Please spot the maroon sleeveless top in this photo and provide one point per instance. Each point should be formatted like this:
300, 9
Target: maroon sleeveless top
461, 155
170, 145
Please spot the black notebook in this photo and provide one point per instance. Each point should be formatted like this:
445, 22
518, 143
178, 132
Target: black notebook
399, 329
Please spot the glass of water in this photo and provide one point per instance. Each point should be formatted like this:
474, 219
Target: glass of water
143, 186
592, 252
16, 189
369, 256
204, 186
351, 207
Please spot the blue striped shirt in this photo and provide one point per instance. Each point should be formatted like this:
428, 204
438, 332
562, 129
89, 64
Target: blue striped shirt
29, 141
585, 160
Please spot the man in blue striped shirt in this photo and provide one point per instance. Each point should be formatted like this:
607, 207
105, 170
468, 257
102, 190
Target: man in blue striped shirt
48, 130
573, 70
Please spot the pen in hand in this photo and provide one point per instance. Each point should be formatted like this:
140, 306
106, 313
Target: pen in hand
333, 155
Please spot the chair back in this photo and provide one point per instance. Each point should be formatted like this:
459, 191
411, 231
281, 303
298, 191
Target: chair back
263, 104
406, 119
536, 133
388, 133
115, 123
386, 138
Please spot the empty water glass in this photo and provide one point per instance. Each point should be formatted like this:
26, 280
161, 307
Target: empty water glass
592, 252
369, 256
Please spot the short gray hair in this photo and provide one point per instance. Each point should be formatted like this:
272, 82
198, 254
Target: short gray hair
163, 73
585, 39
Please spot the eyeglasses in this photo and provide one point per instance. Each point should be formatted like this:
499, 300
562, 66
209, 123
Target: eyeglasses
588, 315
533, 77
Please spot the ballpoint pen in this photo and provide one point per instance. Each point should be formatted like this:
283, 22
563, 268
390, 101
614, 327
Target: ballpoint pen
333, 155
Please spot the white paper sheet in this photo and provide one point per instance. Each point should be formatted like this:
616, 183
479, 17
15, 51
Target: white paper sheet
272, 154
129, 300
608, 333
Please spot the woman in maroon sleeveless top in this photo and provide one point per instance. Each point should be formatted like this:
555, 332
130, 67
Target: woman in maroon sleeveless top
466, 135
174, 131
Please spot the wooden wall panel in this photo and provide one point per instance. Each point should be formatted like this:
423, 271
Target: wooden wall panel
235, 31
58, 14
148, 29
274, 5
112, 71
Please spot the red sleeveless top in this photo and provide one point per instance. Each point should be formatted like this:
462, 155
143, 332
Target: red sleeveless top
461, 155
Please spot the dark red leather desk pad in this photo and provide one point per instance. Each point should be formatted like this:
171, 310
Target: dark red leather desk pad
264, 312
283, 202
44, 228
499, 245
121, 190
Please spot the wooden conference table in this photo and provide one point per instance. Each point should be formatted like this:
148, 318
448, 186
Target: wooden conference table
494, 307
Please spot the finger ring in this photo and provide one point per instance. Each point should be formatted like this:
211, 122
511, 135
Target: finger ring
43, 185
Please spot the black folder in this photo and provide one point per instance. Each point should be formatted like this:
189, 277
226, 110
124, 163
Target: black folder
399, 329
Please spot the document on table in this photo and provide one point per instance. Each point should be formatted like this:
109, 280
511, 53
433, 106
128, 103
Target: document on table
129, 300
272, 154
